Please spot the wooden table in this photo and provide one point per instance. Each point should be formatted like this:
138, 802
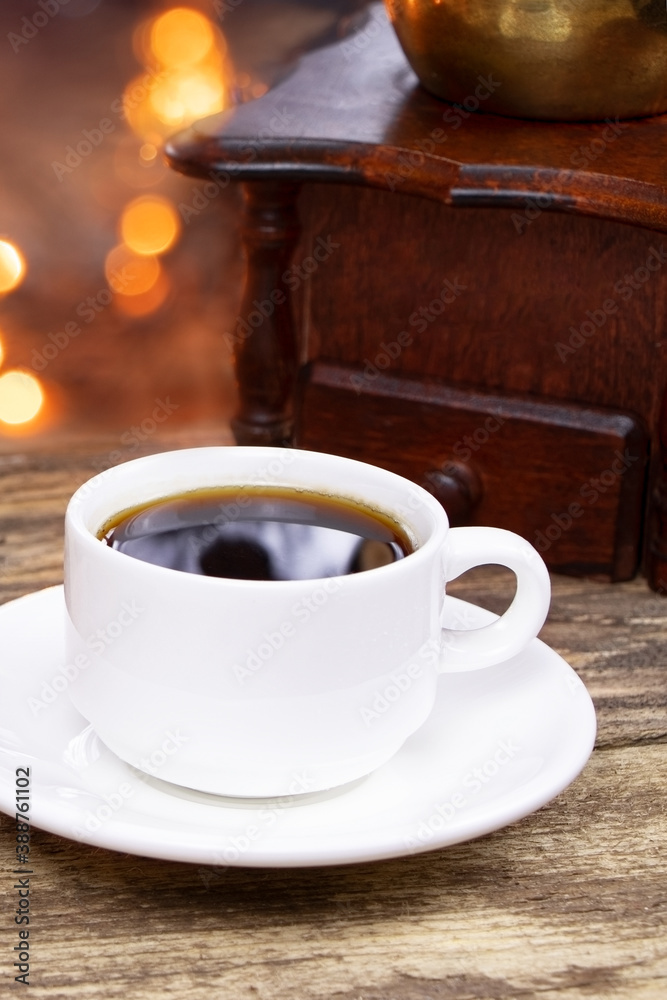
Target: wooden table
569, 903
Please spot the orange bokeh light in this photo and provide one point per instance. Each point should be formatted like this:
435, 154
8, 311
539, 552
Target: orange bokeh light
12, 266
187, 94
150, 225
181, 37
148, 152
141, 41
134, 165
129, 273
21, 397
147, 302
175, 99
188, 73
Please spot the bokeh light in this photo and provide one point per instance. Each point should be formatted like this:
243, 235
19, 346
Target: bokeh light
12, 266
148, 152
141, 41
130, 273
188, 94
21, 397
181, 37
136, 165
150, 225
188, 74
2, 352
146, 303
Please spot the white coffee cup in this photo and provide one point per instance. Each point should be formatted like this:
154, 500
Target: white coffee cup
267, 688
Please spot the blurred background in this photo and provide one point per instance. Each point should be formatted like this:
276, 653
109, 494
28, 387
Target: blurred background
117, 281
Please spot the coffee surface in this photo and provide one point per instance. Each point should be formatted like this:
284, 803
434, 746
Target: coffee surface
258, 533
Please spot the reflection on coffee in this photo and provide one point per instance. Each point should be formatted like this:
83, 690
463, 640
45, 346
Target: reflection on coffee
258, 533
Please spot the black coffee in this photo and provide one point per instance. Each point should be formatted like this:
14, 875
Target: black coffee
258, 533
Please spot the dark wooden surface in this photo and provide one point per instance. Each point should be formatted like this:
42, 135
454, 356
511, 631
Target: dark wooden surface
569, 478
568, 904
513, 329
356, 113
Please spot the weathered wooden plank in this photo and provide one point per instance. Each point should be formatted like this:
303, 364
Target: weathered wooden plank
568, 903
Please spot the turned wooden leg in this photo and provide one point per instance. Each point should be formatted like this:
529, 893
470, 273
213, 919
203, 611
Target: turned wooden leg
264, 338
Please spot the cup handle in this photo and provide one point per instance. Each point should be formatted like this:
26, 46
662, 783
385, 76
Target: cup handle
482, 647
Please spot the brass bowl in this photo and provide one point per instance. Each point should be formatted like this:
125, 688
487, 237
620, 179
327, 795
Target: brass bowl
562, 60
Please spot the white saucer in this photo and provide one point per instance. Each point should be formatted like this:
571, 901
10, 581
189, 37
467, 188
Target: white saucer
500, 743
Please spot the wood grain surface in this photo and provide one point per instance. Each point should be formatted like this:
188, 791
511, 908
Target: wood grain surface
532, 457
357, 114
569, 903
